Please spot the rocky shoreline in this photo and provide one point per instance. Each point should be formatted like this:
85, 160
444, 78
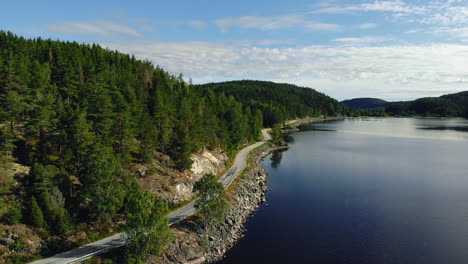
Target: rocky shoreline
195, 244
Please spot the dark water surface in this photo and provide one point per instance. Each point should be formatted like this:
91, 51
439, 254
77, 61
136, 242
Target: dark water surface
365, 191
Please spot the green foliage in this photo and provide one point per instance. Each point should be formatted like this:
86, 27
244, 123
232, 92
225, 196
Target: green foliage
17, 258
277, 136
13, 216
102, 183
18, 245
211, 202
277, 101
36, 215
6, 144
48, 184
81, 116
452, 105
146, 225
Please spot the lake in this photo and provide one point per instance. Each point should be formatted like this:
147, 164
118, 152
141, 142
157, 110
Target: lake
377, 190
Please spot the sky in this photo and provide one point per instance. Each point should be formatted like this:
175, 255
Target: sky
394, 50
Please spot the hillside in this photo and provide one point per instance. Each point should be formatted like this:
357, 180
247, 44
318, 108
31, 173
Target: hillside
277, 101
365, 103
76, 120
451, 105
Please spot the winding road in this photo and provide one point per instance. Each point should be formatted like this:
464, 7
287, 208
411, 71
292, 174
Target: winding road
118, 240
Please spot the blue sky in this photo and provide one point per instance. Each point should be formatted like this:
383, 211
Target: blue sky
395, 50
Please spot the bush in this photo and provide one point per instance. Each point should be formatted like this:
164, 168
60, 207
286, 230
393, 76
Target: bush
20, 259
146, 225
18, 245
211, 203
13, 216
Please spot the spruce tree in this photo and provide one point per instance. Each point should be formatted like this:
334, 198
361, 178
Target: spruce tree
37, 217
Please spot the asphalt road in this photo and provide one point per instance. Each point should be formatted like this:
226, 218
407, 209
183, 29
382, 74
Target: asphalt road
118, 240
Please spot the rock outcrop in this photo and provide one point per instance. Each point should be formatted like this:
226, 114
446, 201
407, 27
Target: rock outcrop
208, 162
163, 180
195, 243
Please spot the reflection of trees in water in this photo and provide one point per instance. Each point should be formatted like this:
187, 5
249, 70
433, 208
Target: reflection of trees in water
288, 138
276, 158
453, 128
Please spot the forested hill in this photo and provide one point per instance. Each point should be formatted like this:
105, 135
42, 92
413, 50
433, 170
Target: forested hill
277, 101
451, 105
81, 116
365, 103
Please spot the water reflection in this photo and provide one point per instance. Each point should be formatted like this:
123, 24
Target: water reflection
289, 138
374, 191
276, 158
454, 128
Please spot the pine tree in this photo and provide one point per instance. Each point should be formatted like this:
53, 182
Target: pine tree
37, 217
102, 179
79, 138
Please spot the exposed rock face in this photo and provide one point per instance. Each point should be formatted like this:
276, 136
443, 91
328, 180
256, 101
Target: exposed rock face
160, 178
195, 243
208, 162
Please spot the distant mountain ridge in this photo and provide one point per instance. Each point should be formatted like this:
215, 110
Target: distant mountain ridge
365, 103
449, 105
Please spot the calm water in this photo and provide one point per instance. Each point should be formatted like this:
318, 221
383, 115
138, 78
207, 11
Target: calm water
365, 191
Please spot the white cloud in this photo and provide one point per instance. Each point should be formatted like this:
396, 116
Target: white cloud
361, 40
432, 17
367, 26
264, 23
398, 6
391, 6
323, 27
273, 23
102, 28
424, 69
198, 24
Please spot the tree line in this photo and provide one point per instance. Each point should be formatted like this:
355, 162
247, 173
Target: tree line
450, 105
278, 101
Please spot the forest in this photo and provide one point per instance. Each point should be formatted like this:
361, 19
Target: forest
79, 116
278, 101
450, 105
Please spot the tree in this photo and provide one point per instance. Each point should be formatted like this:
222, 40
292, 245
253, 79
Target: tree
102, 183
146, 225
43, 182
79, 138
37, 217
211, 201
6, 145
147, 138
277, 136
183, 150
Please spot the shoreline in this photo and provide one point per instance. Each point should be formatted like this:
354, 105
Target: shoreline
194, 244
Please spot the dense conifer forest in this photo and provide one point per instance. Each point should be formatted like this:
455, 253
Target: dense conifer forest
450, 105
80, 116
278, 101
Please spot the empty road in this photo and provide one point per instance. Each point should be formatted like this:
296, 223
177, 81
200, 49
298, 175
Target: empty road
118, 240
